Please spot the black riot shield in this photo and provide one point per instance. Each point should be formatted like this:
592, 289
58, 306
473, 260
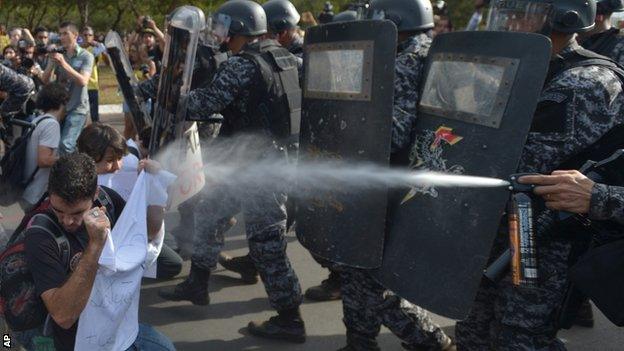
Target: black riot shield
346, 116
127, 81
476, 108
183, 31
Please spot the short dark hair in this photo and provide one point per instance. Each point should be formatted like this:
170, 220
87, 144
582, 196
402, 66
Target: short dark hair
96, 138
11, 47
40, 29
73, 178
51, 97
71, 26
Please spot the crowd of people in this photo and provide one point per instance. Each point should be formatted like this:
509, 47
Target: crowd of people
79, 178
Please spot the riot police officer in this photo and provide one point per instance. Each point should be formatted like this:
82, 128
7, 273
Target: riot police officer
605, 39
581, 102
282, 19
367, 304
254, 95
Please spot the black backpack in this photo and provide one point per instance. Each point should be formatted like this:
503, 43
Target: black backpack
12, 164
22, 308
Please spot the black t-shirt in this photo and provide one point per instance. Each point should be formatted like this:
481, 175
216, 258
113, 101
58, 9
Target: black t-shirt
49, 271
155, 55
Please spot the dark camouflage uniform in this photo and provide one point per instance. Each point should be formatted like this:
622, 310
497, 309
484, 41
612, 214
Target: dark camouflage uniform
18, 88
607, 203
366, 304
408, 73
505, 317
263, 209
609, 43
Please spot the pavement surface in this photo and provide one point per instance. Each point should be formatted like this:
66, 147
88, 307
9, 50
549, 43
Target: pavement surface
221, 325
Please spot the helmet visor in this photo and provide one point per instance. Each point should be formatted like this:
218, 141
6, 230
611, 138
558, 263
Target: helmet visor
520, 16
220, 28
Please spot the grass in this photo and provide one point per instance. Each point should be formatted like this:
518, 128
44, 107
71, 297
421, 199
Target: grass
109, 94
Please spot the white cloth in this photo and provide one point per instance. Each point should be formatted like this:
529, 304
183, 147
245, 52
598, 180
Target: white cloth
110, 320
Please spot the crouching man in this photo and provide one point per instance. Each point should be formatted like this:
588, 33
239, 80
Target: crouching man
65, 288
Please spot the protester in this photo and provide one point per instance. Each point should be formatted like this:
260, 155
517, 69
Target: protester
153, 39
93, 88
118, 170
9, 55
15, 34
73, 69
43, 144
4, 38
42, 36
442, 25
65, 290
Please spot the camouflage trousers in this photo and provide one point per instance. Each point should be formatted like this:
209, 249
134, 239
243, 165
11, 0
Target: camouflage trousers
508, 317
264, 212
367, 305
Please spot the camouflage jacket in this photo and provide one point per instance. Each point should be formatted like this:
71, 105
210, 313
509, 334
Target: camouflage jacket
607, 203
409, 70
576, 108
229, 87
18, 88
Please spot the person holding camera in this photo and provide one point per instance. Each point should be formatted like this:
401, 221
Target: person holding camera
153, 39
96, 49
73, 69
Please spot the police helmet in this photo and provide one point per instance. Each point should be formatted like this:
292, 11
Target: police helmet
281, 15
408, 15
245, 17
543, 16
346, 16
605, 7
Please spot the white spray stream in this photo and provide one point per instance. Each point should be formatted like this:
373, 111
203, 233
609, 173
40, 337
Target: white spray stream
240, 162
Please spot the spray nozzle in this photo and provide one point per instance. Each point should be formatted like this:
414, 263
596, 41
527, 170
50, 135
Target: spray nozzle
517, 187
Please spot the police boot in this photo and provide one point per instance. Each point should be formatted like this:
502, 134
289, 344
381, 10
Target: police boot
447, 344
327, 291
359, 342
287, 325
585, 316
242, 265
194, 288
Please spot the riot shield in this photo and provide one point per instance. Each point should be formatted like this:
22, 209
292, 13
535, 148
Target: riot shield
127, 81
346, 116
183, 32
480, 92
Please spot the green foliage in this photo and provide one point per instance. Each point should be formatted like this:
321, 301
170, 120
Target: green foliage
121, 14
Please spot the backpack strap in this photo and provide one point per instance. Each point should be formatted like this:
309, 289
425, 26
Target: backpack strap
43, 222
603, 43
583, 58
613, 139
103, 199
30, 132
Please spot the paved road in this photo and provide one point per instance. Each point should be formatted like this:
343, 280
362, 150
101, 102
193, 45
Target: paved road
220, 326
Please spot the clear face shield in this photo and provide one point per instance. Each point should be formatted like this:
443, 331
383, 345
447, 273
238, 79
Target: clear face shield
521, 16
217, 30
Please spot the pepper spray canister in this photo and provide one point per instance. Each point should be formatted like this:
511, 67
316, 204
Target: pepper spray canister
522, 241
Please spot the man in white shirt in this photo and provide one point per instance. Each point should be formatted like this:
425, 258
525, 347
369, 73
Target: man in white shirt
41, 152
